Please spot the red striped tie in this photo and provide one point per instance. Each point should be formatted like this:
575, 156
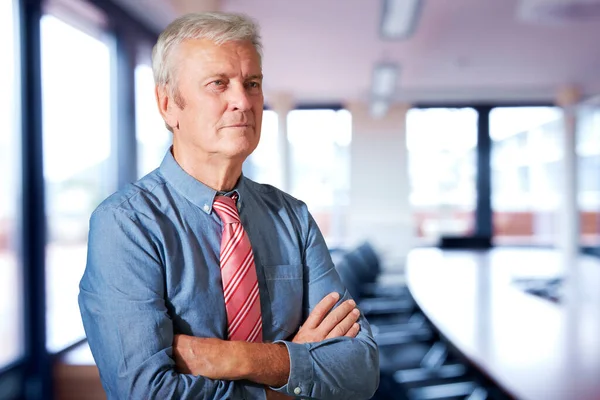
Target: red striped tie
240, 285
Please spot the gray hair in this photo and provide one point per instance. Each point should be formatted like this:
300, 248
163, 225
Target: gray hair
215, 26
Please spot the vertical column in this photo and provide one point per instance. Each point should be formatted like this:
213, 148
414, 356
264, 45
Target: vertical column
483, 212
568, 240
379, 186
282, 104
38, 364
568, 237
123, 143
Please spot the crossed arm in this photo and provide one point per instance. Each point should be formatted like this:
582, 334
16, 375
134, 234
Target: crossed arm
132, 337
263, 363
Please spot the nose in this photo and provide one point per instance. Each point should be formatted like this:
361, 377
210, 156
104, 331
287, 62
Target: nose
239, 99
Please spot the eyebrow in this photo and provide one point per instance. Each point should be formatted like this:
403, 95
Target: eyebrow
213, 76
247, 78
251, 77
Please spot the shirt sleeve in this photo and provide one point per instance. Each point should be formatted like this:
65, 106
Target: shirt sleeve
123, 309
340, 368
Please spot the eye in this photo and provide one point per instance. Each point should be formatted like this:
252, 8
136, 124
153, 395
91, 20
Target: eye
218, 82
253, 85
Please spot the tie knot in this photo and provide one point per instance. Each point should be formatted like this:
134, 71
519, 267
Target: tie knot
226, 210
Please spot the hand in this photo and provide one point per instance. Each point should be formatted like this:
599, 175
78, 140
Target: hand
320, 326
209, 357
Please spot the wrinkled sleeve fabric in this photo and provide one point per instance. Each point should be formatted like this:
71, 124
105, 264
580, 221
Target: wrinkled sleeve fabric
336, 369
123, 309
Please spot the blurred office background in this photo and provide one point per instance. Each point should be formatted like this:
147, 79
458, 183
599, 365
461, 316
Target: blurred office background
409, 124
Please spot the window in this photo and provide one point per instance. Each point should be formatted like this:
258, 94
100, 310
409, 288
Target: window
264, 164
77, 147
153, 138
11, 294
320, 158
441, 145
525, 161
588, 156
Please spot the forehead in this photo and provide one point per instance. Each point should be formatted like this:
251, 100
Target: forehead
207, 57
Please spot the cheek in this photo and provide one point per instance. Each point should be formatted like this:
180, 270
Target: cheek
258, 112
204, 112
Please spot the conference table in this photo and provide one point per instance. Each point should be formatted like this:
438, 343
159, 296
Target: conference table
531, 347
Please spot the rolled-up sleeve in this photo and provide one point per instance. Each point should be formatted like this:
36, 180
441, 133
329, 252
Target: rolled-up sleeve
125, 317
340, 368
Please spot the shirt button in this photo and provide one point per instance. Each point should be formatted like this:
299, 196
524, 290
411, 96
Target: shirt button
297, 390
206, 208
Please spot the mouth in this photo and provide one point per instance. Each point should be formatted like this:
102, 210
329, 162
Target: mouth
238, 126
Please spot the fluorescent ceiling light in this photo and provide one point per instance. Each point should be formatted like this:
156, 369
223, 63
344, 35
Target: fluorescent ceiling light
399, 18
379, 108
558, 11
593, 101
385, 77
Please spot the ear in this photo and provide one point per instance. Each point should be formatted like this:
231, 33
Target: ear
166, 106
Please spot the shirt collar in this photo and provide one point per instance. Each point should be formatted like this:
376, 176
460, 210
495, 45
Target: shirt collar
192, 189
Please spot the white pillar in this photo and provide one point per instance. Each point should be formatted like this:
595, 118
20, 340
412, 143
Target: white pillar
282, 104
568, 240
379, 187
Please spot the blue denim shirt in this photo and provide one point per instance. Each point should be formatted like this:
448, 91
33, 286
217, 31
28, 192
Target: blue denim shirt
153, 271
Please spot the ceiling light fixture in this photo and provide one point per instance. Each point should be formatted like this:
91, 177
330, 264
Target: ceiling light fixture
383, 88
379, 108
558, 11
399, 18
385, 77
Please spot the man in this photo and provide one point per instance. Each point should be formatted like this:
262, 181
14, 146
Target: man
201, 283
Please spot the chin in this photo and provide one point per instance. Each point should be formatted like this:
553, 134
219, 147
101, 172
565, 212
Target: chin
240, 150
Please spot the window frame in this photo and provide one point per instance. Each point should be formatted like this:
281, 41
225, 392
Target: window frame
484, 227
31, 375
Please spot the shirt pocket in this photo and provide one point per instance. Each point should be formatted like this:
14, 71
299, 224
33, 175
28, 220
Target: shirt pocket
285, 287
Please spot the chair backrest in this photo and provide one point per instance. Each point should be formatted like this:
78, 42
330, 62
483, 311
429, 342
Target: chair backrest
360, 267
367, 251
357, 267
349, 278
365, 261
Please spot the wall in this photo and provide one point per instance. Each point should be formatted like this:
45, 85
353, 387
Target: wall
379, 187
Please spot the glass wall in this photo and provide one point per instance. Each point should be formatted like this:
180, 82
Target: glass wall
588, 156
264, 164
442, 145
153, 138
77, 147
11, 293
320, 166
525, 161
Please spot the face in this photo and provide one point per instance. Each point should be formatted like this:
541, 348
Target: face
221, 88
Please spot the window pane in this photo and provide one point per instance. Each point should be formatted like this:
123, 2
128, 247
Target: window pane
320, 158
153, 138
526, 156
263, 165
588, 155
442, 145
11, 294
77, 147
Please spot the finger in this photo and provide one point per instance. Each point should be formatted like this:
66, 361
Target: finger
353, 331
336, 316
321, 310
345, 325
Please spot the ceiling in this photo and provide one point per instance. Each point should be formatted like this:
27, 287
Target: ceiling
321, 51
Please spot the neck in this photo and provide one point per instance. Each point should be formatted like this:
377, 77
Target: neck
216, 172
